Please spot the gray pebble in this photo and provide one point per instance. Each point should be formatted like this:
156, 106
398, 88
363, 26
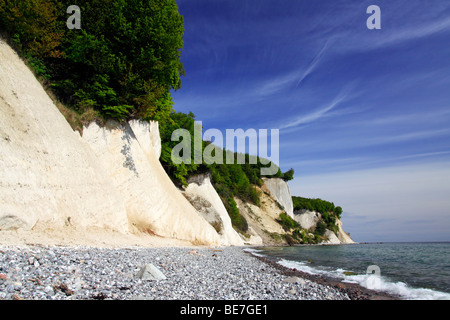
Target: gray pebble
95, 273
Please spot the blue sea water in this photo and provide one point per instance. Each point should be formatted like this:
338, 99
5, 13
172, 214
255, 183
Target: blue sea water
409, 270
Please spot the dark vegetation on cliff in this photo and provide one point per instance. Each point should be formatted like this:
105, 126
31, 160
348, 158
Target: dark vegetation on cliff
318, 205
329, 215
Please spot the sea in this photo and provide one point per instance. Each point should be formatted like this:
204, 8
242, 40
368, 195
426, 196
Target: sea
412, 271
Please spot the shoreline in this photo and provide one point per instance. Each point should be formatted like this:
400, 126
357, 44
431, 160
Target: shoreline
52, 272
39, 272
353, 290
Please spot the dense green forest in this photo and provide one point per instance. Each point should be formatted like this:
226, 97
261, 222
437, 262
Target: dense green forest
122, 63
318, 205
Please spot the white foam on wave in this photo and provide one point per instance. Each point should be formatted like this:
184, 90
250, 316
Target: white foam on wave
371, 281
402, 289
254, 252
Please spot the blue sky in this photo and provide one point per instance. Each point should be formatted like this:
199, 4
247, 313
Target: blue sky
364, 115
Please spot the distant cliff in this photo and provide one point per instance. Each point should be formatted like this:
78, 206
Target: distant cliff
309, 221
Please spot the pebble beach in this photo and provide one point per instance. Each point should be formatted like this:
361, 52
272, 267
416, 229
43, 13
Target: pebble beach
187, 273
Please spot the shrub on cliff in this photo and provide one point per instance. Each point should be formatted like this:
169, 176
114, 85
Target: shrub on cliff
318, 205
287, 222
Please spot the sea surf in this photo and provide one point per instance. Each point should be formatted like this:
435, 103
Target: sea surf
411, 271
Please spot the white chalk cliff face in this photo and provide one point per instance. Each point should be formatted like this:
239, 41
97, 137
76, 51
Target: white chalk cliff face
152, 201
307, 219
48, 176
279, 190
202, 195
343, 236
110, 179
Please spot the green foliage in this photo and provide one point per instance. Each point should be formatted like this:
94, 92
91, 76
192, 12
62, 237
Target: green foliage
178, 173
123, 62
320, 228
237, 219
288, 175
39, 68
33, 26
287, 222
116, 112
279, 174
236, 180
318, 205
338, 211
297, 235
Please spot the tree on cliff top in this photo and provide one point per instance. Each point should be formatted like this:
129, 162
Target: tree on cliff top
123, 62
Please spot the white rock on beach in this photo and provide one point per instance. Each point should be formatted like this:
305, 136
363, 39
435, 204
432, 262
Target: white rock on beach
150, 272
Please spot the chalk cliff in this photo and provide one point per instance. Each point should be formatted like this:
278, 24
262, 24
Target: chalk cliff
48, 175
262, 219
202, 195
279, 190
110, 178
153, 203
307, 219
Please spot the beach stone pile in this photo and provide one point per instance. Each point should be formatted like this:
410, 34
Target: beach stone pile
78, 273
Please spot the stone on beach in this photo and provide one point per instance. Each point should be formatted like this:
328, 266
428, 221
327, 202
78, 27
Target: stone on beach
150, 272
229, 273
295, 280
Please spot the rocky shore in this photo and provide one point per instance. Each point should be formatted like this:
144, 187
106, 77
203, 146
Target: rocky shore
185, 273
353, 291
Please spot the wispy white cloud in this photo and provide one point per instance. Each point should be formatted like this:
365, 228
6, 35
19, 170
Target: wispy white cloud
292, 79
326, 162
276, 84
410, 136
313, 63
366, 40
433, 116
415, 31
317, 114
